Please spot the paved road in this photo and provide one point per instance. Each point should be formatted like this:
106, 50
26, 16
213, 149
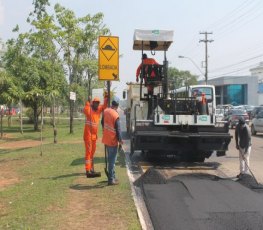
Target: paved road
203, 201
198, 201
230, 162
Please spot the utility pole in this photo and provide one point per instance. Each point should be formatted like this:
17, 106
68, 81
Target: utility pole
206, 53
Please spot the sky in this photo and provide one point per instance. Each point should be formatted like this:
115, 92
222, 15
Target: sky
236, 27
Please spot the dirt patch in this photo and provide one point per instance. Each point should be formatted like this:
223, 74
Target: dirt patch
19, 144
8, 176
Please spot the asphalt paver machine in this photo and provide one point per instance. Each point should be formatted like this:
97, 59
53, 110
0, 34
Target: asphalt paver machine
165, 122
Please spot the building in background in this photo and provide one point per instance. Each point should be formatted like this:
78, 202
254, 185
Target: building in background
236, 90
257, 71
239, 90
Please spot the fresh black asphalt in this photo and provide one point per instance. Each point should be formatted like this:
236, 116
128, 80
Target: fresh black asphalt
204, 202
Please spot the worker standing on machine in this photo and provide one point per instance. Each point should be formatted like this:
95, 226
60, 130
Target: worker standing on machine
92, 112
146, 61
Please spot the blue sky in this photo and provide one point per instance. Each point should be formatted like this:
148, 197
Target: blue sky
236, 27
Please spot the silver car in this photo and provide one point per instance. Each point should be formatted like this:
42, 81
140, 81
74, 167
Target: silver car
257, 123
219, 115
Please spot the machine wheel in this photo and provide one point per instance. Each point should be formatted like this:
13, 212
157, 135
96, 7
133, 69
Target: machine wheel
253, 131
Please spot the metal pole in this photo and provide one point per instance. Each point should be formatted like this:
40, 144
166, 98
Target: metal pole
191, 60
108, 90
165, 63
206, 53
206, 62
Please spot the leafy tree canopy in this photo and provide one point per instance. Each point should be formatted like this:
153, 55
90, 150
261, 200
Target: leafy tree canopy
179, 78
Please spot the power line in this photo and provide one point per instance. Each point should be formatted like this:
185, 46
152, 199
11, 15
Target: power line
235, 71
232, 27
226, 67
232, 21
189, 45
230, 14
236, 20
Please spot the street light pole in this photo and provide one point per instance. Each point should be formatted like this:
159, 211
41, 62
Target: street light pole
180, 56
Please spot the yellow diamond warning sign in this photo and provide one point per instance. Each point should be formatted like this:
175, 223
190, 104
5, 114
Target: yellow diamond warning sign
109, 58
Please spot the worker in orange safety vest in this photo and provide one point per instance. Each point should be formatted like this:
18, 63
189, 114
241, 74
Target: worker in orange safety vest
204, 105
146, 61
203, 100
92, 112
112, 138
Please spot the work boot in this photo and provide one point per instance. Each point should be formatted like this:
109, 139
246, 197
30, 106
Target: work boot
96, 174
114, 182
89, 174
239, 176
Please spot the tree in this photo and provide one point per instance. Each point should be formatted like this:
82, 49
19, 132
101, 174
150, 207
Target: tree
28, 60
179, 78
56, 47
44, 40
78, 39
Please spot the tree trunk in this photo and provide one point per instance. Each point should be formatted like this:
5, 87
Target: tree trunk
54, 122
41, 130
35, 117
89, 88
21, 117
71, 117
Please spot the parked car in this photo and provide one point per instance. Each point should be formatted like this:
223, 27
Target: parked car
219, 114
233, 116
257, 123
249, 109
255, 111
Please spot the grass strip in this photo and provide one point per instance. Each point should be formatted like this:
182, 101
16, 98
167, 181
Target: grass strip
53, 192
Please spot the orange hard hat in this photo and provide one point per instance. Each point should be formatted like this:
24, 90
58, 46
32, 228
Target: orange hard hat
96, 99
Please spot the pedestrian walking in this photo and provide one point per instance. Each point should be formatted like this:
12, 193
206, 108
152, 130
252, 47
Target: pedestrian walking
111, 138
92, 112
243, 144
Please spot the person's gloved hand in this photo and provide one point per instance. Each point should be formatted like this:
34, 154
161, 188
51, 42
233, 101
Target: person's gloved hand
105, 94
120, 149
137, 79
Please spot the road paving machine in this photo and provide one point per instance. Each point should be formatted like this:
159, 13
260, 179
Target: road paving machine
178, 123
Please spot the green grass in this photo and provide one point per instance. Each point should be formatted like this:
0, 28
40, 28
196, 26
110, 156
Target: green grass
41, 198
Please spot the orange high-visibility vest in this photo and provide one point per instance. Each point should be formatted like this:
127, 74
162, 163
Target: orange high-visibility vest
203, 101
109, 132
92, 120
